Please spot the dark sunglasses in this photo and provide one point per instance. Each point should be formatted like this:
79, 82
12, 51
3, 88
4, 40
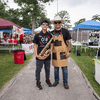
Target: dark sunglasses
45, 24
57, 22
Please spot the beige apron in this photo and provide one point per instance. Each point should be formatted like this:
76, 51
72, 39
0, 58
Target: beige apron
59, 52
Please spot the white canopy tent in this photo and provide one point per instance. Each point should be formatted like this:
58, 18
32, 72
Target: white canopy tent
40, 28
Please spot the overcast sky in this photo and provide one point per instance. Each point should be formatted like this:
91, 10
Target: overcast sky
77, 9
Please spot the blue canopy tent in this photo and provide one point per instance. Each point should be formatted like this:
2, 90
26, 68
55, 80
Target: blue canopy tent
7, 31
26, 30
87, 25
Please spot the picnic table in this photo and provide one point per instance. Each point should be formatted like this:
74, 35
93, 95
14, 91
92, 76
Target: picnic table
5, 45
92, 48
76, 44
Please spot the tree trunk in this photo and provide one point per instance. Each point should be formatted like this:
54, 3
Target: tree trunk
33, 24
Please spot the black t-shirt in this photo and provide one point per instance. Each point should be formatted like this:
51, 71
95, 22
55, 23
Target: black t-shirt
41, 40
65, 33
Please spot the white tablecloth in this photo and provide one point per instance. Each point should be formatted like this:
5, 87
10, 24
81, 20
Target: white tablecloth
94, 46
76, 44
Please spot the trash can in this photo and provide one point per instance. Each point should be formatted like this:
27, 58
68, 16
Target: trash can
18, 56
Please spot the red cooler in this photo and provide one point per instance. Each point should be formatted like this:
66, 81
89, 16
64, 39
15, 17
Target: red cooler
18, 56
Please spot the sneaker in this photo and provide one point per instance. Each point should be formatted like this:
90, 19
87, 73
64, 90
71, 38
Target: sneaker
38, 84
55, 84
66, 86
49, 83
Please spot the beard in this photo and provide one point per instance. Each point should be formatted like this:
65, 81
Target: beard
58, 27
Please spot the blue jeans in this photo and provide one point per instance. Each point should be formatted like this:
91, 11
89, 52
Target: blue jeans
64, 73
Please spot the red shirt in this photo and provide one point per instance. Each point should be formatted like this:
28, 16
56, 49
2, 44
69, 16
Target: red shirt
4, 35
14, 37
21, 37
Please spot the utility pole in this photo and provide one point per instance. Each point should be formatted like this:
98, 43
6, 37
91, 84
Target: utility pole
57, 6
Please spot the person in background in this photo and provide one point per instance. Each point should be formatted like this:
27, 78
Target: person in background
35, 32
4, 36
17, 36
40, 41
20, 40
89, 40
61, 51
27, 39
14, 37
11, 36
24, 39
30, 38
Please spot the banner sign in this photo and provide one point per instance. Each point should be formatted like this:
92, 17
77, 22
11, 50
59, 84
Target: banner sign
29, 48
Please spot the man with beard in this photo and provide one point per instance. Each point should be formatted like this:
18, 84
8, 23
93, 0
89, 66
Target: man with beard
61, 51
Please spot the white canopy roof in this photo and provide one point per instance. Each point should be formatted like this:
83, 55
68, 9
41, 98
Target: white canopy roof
40, 28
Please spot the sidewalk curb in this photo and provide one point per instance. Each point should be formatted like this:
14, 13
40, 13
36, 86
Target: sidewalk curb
87, 82
6, 87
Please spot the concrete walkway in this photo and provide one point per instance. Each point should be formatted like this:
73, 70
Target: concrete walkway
23, 85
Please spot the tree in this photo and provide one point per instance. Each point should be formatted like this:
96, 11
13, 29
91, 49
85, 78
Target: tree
3, 12
96, 17
80, 21
24, 15
7, 13
34, 5
64, 15
14, 16
27, 16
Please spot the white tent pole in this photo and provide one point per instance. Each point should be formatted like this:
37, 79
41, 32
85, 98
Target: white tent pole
77, 33
87, 35
12, 36
81, 35
77, 38
76, 48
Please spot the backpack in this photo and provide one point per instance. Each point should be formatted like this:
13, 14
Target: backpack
78, 53
98, 54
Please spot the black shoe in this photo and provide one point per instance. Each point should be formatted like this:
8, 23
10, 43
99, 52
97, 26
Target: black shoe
39, 85
66, 86
55, 84
49, 83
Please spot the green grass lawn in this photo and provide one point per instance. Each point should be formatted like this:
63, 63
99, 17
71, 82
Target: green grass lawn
85, 62
7, 67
